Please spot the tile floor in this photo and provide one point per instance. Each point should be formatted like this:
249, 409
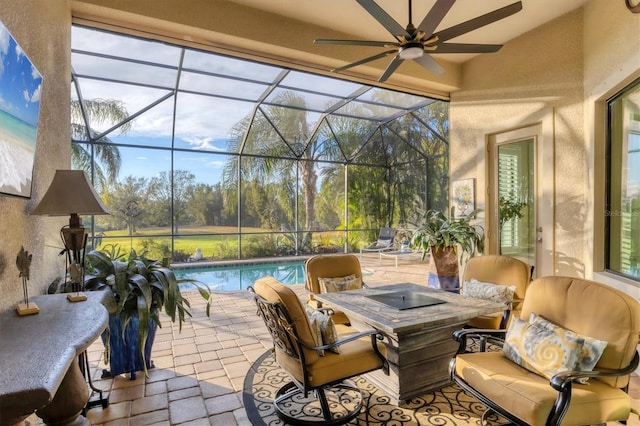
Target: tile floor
199, 371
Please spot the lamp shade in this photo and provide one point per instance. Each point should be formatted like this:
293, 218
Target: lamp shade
70, 193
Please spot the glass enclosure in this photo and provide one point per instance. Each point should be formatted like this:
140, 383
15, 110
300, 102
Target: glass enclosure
192, 149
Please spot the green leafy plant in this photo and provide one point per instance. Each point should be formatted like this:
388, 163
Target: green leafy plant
510, 208
138, 286
438, 231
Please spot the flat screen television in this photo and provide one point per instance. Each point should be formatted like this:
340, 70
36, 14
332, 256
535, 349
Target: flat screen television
20, 89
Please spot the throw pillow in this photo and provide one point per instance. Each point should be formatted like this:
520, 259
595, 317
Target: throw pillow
330, 285
592, 349
324, 328
488, 291
540, 350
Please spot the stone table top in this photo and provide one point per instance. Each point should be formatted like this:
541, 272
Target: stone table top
37, 350
457, 308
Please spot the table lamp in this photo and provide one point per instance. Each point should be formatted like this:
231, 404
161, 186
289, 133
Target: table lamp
70, 193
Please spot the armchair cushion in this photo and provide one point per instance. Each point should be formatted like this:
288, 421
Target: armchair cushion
545, 351
590, 353
488, 291
529, 396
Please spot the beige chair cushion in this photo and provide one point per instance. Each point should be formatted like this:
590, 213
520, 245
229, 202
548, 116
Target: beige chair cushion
354, 357
331, 266
273, 290
591, 309
502, 270
530, 397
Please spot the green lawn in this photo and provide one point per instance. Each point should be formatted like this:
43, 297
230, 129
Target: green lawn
220, 243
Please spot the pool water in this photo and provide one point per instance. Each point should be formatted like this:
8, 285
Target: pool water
240, 277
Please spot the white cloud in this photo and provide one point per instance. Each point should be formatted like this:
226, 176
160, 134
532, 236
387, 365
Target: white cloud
35, 74
35, 97
141, 158
26, 95
4, 40
19, 52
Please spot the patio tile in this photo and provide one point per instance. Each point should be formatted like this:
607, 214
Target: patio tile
181, 383
126, 394
185, 370
149, 403
184, 410
205, 366
227, 419
113, 411
223, 403
160, 417
184, 393
155, 388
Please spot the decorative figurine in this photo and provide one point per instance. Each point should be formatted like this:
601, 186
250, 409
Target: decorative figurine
23, 262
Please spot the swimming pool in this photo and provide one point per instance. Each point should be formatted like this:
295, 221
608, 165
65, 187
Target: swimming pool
239, 277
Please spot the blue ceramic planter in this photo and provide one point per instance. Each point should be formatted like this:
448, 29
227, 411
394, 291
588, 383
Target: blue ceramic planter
451, 284
124, 354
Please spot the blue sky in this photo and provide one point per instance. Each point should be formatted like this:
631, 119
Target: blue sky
20, 81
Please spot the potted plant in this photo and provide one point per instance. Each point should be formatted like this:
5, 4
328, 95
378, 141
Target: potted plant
136, 290
442, 237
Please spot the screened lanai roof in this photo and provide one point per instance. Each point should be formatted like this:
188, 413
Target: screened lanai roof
186, 99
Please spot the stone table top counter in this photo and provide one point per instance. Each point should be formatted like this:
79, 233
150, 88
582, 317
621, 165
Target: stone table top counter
37, 350
394, 321
418, 340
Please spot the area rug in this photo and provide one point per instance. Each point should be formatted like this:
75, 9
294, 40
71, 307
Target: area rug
447, 406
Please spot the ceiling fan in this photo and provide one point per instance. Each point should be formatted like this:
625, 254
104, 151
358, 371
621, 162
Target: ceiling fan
417, 42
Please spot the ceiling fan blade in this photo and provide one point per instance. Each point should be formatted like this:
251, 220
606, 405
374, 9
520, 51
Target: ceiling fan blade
466, 48
393, 65
365, 60
478, 22
356, 42
383, 17
435, 16
430, 64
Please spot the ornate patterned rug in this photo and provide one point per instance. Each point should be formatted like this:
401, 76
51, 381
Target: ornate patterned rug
446, 406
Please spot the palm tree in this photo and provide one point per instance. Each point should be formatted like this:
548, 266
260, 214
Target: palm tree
276, 135
96, 112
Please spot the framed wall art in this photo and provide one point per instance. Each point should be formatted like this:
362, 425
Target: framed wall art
463, 196
20, 88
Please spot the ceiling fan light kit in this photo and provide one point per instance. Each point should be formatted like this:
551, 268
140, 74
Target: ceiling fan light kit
411, 51
415, 43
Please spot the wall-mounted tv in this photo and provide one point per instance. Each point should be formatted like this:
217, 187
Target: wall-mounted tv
20, 88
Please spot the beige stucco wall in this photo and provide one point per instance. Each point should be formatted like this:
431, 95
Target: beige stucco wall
42, 28
537, 76
563, 72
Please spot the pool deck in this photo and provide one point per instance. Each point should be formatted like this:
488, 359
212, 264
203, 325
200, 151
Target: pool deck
199, 372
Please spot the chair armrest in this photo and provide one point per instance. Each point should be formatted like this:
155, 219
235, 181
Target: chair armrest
484, 335
564, 379
562, 382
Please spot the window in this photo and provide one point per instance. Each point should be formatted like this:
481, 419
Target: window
623, 196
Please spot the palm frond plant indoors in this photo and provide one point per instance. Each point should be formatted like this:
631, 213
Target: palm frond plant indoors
136, 289
442, 237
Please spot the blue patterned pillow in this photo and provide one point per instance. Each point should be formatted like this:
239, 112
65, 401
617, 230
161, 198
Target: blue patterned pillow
592, 349
541, 350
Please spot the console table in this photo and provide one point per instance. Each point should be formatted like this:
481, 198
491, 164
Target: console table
39, 368
419, 341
